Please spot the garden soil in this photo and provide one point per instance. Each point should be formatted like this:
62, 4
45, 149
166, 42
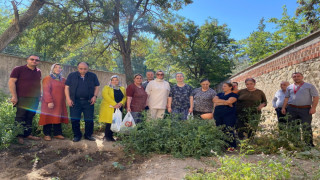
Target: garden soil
66, 160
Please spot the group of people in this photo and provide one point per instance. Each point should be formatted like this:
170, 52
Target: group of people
233, 108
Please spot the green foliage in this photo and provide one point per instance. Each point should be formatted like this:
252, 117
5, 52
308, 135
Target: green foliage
191, 138
199, 52
8, 128
234, 167
310, 10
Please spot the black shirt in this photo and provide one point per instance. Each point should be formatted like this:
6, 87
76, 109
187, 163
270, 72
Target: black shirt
82, 89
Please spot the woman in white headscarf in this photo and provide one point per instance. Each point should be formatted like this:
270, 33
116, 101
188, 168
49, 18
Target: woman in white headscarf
53, 104
114, 96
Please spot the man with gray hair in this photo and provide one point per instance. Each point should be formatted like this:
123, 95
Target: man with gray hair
277, 103
302, 99
82, 88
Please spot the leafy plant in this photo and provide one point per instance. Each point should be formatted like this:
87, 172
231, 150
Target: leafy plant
9, 128
191, 138
88, 158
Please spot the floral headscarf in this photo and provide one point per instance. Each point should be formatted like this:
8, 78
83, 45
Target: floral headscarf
55, 76
112, 86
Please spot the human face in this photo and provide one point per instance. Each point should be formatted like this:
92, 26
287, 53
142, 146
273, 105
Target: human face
115, 81
160, 75
235, 86
226, 88
284, 86
138, 80
179, 78
297, 78
83, 68
250, 85
150, 76
205, 85
57, 69
33, 61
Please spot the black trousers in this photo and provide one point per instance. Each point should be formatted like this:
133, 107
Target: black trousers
79, 107
247, 122
57, 129
108, 133
282, 121
301, 117
26, 110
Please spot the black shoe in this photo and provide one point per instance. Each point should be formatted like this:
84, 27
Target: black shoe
110, 139
76, 139
90, 138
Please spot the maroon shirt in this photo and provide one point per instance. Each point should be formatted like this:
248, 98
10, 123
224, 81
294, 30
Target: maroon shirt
28, 81
139, 97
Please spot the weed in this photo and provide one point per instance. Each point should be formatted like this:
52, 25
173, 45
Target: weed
191, 138
88, 158
118, 166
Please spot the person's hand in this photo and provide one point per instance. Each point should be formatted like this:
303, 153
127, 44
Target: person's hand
260, 107
230, 105
70, 102
312, 110
50, 105
169, 109
93, 100
14, 100
128, 109
190, 110
283, 111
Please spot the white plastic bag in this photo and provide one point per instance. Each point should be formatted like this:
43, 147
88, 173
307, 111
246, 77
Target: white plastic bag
190, 116
116, 121
127, 123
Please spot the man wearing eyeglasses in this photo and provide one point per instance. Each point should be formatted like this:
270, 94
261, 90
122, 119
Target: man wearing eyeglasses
25, 88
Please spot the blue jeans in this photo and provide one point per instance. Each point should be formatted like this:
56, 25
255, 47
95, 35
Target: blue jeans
180, 114
79, 107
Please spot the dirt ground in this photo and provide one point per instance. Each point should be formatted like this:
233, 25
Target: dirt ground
66, 160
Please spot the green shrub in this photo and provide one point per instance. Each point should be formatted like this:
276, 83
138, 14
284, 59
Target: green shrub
234, 167
8, 128
191, 138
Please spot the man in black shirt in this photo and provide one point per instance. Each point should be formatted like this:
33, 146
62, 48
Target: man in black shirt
82, 88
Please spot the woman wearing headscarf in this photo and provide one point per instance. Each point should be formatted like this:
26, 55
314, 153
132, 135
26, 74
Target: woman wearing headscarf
53, 104
114, 96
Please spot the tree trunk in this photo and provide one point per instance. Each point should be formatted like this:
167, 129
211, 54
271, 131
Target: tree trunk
126, 58
20, 24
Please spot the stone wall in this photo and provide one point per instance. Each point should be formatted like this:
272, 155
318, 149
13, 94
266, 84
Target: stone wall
8, 62
302, 56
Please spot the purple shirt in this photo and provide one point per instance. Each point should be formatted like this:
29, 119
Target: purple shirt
28, 81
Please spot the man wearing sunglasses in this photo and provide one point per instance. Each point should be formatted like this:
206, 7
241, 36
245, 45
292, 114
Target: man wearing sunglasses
25, 88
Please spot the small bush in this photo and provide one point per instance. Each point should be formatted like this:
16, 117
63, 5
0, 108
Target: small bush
191, 138
8, 128
233, 167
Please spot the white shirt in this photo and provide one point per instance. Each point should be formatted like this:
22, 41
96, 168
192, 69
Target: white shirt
278, 99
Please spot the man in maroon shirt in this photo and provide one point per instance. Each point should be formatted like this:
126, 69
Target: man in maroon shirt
25, 89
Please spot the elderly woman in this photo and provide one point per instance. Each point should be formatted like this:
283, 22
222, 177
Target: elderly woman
158, 92
136, 98
180, 100
53, 104
250, 102
225, 110
203, 100
114, 96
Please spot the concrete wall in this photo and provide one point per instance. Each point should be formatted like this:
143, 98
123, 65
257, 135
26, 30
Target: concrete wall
8, 62
302, 56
